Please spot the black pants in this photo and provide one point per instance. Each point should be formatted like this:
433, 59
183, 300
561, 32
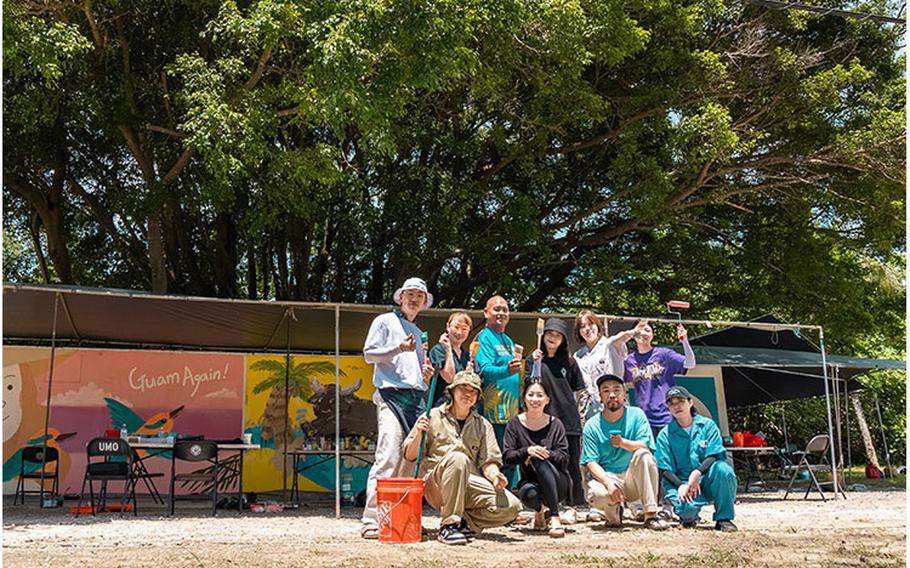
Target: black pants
542, 484
577, 488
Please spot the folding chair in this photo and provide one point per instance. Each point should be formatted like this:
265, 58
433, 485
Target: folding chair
116, 465
195, 451
814, 458
32, 455
142, 472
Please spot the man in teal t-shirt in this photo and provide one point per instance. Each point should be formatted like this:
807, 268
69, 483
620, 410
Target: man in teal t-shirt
616, 449
498, 368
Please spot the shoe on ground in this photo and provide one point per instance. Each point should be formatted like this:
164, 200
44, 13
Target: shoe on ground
665, 514
568, 516
656, 524
639, 516
594, 516
725, 526
556, 530
689, 523
466, 530
369, 532
449, 534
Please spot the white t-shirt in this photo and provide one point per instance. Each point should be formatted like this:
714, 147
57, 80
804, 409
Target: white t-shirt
603, 359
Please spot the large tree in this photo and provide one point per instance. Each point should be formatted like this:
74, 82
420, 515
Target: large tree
602, 153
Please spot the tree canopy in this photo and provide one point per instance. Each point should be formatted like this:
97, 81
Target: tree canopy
610, 154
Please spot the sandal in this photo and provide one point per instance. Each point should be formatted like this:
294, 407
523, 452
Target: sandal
556, 530
540, 521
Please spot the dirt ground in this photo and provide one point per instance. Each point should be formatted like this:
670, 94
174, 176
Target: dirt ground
868, 529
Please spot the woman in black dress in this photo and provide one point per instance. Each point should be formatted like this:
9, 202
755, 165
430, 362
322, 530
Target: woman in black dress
537, 442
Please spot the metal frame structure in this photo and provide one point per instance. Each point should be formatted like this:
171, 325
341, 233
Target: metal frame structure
291, 309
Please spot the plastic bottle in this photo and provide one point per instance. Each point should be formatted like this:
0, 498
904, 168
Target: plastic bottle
123, 431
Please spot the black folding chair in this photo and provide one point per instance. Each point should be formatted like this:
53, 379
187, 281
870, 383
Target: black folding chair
32, 455
199, 451
116, 465
140, 472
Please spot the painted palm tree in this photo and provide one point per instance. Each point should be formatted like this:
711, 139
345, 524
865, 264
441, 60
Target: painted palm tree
274, 418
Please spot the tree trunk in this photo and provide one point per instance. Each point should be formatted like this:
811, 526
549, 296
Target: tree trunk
864, 430
156, 254
34, 232
281, 258
266, 270
251, 272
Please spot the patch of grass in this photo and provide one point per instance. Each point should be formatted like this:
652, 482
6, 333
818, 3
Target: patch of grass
577, 559
716, 556
858, 475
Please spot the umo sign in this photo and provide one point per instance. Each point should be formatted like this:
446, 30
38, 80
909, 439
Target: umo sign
109, 446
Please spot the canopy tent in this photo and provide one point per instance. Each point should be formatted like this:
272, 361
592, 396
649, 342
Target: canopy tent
95, 317
762, 366
760, 359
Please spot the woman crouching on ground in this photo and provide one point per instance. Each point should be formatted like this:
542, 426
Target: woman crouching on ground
537, 441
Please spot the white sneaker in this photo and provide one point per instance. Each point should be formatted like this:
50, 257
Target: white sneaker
568, 516
594, 516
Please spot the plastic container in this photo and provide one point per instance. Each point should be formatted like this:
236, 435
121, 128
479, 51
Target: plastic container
399, 504
347, 492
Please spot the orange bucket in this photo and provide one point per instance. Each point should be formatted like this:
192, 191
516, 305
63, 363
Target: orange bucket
399, 504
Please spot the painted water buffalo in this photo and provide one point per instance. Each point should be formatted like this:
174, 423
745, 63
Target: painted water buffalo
358, 416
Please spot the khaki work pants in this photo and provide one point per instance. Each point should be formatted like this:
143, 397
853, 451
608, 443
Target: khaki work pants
640, 482
457, 491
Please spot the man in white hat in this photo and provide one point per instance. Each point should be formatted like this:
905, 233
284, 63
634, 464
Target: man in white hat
400, 371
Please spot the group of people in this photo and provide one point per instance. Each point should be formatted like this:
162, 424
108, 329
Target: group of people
487, 430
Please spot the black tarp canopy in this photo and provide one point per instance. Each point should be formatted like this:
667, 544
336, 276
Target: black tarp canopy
96, 317
763, 366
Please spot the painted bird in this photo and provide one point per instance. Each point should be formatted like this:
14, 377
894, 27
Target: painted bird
123, 415
135, 424
11, 467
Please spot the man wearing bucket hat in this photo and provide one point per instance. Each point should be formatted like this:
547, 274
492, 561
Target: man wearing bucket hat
461, 464
693, 466
400, 371
616, 450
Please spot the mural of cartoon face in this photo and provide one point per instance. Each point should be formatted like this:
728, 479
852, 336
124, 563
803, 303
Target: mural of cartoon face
12, 401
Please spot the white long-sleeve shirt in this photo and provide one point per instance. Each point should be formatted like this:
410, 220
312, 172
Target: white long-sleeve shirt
392, 367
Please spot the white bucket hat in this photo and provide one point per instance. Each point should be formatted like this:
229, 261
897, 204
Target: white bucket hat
413, 284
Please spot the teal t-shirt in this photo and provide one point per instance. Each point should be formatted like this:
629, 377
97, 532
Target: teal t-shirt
501, 390
681, 452
596, 446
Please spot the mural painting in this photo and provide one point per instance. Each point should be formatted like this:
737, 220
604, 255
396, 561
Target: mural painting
94, 390
310, 419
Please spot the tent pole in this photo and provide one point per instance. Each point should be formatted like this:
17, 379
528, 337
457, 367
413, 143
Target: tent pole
836, 383
821, 342
847, 420
287, 383
783, 415
881, 425
50, 384
337, 415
